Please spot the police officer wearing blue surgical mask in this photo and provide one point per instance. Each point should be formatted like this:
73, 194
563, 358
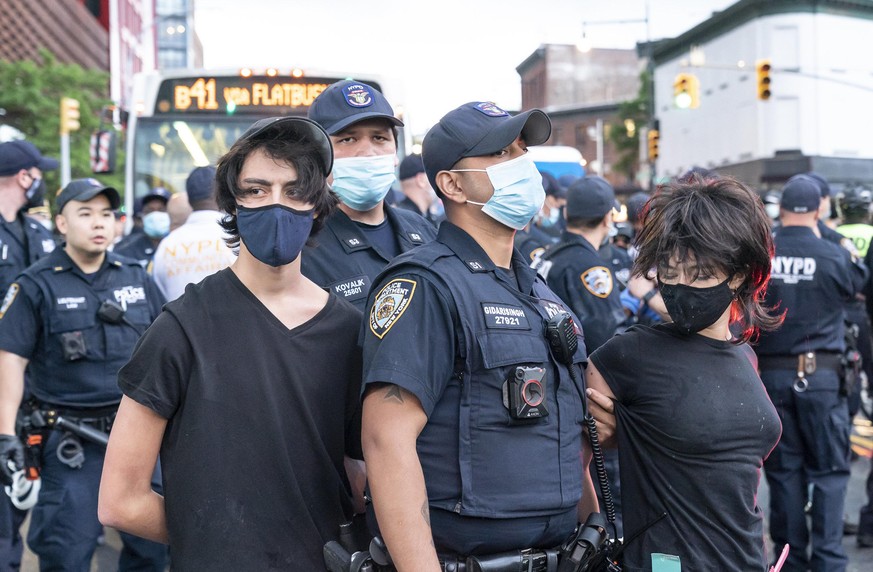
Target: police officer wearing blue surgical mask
462, 459
365, 233
151, 213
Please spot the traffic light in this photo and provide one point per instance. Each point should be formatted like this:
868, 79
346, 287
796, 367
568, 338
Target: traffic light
69, 115
654, 137
686, 91
762, 71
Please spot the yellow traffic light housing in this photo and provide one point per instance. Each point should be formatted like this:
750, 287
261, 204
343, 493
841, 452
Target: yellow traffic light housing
686, 91
762, 72
69, 115
654, 139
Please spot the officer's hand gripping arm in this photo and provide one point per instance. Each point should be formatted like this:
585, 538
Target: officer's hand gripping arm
12, 368
600, 404
392, 421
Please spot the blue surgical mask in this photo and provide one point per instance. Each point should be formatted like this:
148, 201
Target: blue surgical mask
274, 234
518, 192
363, 182
552, 219
156, 224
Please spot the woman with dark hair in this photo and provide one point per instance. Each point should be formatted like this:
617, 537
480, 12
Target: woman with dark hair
683, 400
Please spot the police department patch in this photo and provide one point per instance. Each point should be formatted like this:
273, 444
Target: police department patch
358, 95
490, 109
391, 301
9, 298
598, 281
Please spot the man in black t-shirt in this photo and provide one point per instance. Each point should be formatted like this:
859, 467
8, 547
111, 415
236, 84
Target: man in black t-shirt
248, 385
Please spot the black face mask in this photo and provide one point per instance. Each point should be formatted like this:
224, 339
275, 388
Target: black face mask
693, 309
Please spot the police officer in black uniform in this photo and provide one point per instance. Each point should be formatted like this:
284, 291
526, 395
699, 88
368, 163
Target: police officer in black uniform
70, 322
801, 368
574, 269
23, 241
471, 427
545, 229
418, 196
364, 234
152, 223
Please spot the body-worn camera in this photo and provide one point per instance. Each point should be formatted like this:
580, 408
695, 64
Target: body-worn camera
524, 393
73, 344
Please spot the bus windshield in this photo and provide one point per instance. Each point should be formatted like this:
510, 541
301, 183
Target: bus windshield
167, 149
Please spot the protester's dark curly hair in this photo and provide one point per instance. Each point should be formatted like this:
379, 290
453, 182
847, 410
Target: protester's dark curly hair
721, 225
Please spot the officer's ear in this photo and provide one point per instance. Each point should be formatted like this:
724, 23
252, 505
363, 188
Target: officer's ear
61, 223
449, 184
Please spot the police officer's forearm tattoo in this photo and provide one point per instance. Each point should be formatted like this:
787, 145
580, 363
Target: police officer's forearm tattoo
425, 512
393, 392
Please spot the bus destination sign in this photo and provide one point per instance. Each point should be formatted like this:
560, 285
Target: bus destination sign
239, 95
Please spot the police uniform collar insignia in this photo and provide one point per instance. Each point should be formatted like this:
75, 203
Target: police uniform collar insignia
476, 266
358, 95
415, 237
390, 304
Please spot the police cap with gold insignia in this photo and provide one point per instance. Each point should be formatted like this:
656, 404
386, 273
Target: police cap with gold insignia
349, 101
281, 127
83, 190
479, 128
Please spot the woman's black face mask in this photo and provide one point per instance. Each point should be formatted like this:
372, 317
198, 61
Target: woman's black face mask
694, 309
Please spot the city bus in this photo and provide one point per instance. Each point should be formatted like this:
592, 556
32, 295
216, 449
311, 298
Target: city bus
184, 119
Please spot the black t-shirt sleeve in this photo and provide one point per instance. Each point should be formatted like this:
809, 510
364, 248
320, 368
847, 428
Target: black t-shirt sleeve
20, 318
353, 408
408, 338
612, 360
158, 371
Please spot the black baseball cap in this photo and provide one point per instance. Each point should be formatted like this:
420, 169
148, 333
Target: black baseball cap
349, 101
275, 127
801, 194
824, 186
84, 190
18, 155
410, 166
199, 184
479, 128
590, 197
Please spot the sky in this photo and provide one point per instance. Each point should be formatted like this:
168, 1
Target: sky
430, 57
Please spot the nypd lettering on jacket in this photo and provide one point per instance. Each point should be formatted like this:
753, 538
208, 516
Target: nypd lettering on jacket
792, 269
129, 295
504, 316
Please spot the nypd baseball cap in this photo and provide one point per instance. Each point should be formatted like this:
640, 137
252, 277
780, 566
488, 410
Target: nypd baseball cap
590, 197
281, 127
479, 128
800, 194
349, 101
18, 155
83, 190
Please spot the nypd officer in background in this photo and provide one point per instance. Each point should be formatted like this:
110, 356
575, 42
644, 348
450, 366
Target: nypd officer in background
364, 234
473, 447
574, 269
800, 367
70, 322
23, 241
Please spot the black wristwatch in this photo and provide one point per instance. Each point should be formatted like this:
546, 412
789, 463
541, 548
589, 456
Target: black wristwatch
649, 295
